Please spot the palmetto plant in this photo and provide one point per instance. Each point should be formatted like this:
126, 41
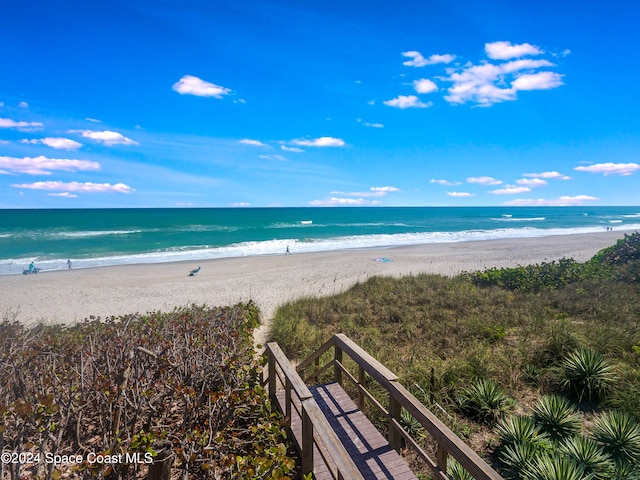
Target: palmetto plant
588, 374
555, 468
556, 417
519, 457
520, 429
455, 471
619, 435
586, 452
485, 401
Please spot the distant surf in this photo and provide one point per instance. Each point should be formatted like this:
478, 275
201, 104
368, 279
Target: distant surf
93, 238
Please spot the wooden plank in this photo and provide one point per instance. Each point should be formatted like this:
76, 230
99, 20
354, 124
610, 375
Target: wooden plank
373, 367
363, 442
317, 354
469, 459
301, 389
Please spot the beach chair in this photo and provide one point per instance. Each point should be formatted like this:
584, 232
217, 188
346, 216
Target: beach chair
194, 271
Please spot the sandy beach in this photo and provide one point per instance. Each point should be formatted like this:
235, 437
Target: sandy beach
72, 295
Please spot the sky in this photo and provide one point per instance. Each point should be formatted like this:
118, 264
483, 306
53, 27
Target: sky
207, 103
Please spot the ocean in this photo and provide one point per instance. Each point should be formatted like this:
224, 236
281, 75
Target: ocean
101, 237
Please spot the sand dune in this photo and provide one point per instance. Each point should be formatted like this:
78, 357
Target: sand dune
69, 296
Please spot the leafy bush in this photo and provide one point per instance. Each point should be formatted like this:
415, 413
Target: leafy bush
585, 452
485, 401
619, 435
521, 429
588, 374
554, 468
533, 278
556, 417
623, 258
185, 385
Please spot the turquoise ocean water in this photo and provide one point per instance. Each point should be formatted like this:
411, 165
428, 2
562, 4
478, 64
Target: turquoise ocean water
99, 237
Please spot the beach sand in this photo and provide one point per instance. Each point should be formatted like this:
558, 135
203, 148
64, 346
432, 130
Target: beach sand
72, 295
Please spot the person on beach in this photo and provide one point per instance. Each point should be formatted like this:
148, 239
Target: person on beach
31, 267
69, 263
287, 252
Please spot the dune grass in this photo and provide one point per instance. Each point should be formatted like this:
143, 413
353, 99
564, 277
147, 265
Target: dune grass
521, 329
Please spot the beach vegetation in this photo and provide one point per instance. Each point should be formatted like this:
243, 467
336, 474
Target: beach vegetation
180, 389
560, 339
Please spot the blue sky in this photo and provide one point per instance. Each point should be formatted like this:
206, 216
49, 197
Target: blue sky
202, 103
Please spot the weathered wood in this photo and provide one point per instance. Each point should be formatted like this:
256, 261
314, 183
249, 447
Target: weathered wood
459, 450
331, 443
160, 469
307, 442
337, 361
373, 367
276, 353
395, 409
315, 355
441, 457
360, 384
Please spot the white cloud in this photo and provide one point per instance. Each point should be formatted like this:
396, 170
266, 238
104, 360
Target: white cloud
531, 182
486, 83
417, 60
107, 137
550, 175
373, 192
56, 142
8, 123
336, 201
190, 85
23, 105
424, 85
319, 142
372, 125
254, 143
611, 168
63, 194
280, 158
291, 149
564, 201
506, 50
93, 120
460, 194
444, 182
43, 166
484, 180
407, 101
510, 190
87, 187
537, 81
240, 204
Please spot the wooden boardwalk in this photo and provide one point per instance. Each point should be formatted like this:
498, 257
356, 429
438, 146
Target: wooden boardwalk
370, 451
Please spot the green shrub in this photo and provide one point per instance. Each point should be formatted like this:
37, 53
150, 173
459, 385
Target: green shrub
485, 401
587, 453
455, 471
554, 468
619, 435
521, 429
588, 374
556, 417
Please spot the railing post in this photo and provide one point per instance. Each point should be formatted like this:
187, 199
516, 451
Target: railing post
441, 458
395, 409
287, 401
337, 370
271, 374
360, 392
307, 442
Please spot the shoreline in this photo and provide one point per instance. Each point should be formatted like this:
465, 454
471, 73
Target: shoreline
68, 296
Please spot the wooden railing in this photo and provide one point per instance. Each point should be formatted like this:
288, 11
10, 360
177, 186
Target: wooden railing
316, 431
447, 443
